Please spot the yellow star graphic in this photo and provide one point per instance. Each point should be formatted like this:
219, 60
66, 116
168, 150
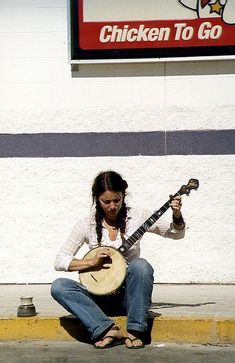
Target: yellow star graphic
216, 7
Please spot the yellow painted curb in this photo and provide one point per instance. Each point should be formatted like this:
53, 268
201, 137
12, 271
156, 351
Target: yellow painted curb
200, 330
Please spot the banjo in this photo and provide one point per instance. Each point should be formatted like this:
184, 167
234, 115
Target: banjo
108, 277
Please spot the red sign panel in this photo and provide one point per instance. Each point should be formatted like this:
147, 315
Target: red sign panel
153, 29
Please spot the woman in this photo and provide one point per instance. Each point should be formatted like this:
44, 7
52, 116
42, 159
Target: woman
111, 221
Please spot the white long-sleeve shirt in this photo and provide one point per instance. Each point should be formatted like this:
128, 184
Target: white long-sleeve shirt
84, 231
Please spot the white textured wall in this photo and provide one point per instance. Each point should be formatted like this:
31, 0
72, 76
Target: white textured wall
41, 199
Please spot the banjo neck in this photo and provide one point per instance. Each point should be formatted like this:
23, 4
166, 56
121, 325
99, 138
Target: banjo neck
130, 241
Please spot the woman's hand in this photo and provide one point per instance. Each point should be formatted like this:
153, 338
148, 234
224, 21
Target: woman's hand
176, 204
100, 257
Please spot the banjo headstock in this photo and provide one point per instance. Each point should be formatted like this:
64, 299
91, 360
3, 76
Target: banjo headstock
193, 184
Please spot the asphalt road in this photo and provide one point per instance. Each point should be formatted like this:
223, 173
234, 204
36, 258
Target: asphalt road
69, 352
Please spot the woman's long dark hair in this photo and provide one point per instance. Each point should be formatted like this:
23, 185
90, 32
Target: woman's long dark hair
112, 181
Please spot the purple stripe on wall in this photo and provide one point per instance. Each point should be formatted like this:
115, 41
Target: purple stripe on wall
203, 142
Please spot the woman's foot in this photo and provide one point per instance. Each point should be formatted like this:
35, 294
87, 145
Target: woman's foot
133, 342
112, 338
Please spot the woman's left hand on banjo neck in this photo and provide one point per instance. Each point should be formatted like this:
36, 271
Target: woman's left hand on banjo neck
176, 204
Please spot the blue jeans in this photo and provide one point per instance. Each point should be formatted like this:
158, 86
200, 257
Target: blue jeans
133, 300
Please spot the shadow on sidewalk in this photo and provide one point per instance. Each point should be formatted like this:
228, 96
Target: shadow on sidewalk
75, 329
162, 305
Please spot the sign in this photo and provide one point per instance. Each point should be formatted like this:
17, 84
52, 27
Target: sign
104, 30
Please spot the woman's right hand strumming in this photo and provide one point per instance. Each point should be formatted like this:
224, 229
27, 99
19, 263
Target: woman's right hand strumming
101, 254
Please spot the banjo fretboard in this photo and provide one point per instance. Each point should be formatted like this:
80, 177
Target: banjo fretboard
130, 241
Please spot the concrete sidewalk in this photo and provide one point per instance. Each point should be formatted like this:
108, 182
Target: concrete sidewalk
203, 314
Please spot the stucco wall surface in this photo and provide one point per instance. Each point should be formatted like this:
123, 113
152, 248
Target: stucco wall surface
42, 197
